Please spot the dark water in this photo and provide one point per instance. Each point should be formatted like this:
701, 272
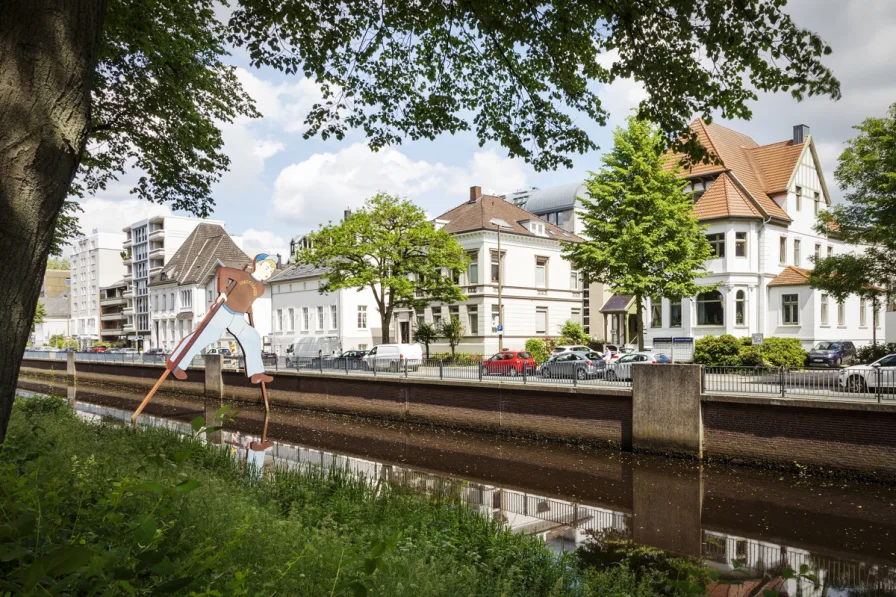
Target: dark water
845, 531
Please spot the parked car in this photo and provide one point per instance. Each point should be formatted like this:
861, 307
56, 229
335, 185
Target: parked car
222, 351
155, 354
115, 351
394, 357
569, 348
510, 362
350, 359
622, 369
98, 349
863, 378
832, 354
305, 348
581, 365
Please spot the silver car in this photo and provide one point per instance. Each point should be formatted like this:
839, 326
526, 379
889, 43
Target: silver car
881, 374
581, 365
622, 369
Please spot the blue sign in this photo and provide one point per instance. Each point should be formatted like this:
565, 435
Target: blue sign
682, 340
500, 328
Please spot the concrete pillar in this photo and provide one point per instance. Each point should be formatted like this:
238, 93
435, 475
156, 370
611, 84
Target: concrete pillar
70, 370
214, 383
666, 413
211, 419
667, 503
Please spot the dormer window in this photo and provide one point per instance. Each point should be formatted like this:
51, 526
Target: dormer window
536, 227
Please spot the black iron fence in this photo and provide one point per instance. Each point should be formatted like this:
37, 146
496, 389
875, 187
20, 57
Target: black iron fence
863, 382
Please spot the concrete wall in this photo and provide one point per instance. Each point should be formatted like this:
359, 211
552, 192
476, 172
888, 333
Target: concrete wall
666, 409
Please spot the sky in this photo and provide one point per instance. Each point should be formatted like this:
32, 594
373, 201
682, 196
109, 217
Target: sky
281, 185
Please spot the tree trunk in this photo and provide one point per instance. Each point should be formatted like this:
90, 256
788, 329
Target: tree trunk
386, 323
640, 317
47, 56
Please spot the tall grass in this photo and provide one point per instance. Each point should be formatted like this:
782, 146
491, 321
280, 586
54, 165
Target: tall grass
104, 509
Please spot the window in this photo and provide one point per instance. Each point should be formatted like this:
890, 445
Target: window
421, 318
496, 267
824, 309
334, 318
740, 308
740, 244
782, 250
674, 313
473, 317
863, 313
321, 325
541, 272
791, 309
717, 242
436, 316
291, 319
541, 320
817, 252
473, 268
796, 253
306, 319
710, 310
210, 299
186, 298
496, 318
362, 317
841, 314
164, 302
573, 280
278, 321
830, 251
656, 312
799, 198
817, 202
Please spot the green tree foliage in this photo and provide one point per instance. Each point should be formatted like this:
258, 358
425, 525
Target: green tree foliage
452, 330
58, 263
39, 313
867, 173
643, 236
539, 349
525, 74
426, 334
390, 247
728, 351
573, 333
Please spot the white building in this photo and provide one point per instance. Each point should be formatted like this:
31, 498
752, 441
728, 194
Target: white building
148, 246
760, 205
112, 316
300, 311
95, 263
539, 289
56, 320
181, 293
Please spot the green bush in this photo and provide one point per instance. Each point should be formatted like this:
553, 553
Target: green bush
728, 351
539, 350
872, 352
784, 352
722, 351
460, 356
573, 333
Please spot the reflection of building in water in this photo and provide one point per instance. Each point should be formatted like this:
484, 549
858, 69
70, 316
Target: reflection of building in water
562, 524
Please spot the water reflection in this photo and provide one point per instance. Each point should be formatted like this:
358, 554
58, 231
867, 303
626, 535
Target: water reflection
844, 531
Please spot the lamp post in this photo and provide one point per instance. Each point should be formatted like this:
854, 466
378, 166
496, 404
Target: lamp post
498, 224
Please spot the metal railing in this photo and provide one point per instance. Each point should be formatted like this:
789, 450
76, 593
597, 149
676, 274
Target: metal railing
853, 383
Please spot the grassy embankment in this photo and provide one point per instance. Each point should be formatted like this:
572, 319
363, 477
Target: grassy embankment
103, 509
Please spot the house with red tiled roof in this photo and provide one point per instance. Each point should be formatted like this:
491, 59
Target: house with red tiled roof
518, 284
759, 204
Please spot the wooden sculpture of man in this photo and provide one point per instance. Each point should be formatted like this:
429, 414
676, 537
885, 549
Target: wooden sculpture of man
237, 290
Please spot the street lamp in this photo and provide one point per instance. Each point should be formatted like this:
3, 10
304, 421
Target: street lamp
498, 223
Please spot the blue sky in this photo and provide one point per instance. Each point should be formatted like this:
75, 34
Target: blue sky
281, 185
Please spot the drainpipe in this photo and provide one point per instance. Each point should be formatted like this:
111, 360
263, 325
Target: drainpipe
763, 289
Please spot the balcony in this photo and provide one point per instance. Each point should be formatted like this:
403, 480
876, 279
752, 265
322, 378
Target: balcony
112, 301
154, 270
128, 260
128, 294
128, 328
157, 252
158, 234
126, 244
128, 310
128, 276
121, 315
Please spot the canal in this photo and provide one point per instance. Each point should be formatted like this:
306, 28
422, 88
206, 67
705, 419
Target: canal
843, 530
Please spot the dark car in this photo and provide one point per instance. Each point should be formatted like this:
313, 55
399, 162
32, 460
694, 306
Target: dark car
832, 354
581, 365
350, 359
155, 354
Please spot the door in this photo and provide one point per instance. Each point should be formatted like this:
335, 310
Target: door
632, 329
404, 328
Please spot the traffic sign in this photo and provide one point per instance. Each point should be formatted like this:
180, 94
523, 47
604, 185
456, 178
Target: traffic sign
137, 338
757, 339
500, 328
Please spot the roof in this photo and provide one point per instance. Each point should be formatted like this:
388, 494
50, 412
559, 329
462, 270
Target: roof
618, 303
118, 284
761, 170
475, 215
725, 198
791, 276
206, 245
297, 272
542, 201
57, 306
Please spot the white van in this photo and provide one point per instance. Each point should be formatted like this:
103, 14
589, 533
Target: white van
393, 357
305, 348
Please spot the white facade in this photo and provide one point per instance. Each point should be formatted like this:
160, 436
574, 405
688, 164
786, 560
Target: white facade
298, 310
540, 292
95, 263
755, 253
149, 245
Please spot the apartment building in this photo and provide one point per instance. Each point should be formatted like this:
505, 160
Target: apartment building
183, 290
112, 312
148, 245
95, 263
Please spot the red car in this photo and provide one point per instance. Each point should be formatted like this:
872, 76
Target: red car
510, 362
98, 349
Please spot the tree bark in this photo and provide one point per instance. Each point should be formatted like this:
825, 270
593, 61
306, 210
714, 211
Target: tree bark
48, 52
640, 316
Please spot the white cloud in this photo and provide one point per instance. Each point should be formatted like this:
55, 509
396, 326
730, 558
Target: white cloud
263, 241
285, 103
319, 188
621, 96
111, 215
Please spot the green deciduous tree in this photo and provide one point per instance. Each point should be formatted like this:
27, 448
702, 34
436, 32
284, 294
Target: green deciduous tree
390, 247
40, 311
573, 333
91, 88
58, 263
426, 334
643, 236
452, 330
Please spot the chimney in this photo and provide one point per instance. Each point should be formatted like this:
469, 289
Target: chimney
279, 263
475, 194
800, 132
